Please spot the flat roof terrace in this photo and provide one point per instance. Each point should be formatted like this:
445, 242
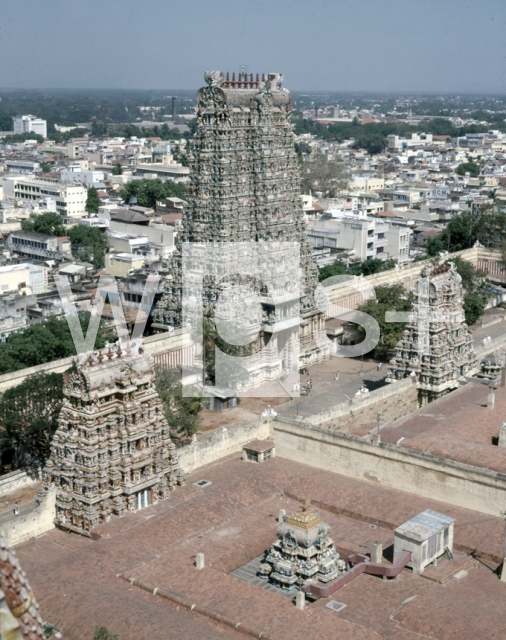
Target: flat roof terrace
81, 583
457, 427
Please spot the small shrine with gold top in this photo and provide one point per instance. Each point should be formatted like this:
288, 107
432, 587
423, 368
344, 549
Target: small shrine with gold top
304, 552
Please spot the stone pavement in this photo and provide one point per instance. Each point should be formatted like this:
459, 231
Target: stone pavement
78, 581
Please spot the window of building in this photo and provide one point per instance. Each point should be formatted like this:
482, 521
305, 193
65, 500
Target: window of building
252, 455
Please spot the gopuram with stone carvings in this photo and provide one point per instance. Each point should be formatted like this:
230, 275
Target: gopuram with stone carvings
112, 451
303, 553
245, 188
436, 345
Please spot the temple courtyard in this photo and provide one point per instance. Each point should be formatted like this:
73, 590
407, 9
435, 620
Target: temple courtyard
137, 574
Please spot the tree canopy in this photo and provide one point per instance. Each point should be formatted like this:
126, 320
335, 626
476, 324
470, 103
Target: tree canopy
92, 201
181, 413
149, 192
470, 167
22, 137
366, 268
476, 293
6, 122
117, 170
373, 136
318, 173
103, 633
485, 224
28, 419
46, 222
388, 298
50, 340
91, 237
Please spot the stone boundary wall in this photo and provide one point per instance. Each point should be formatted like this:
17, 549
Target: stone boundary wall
30, 525
390, 466
19, 479
218, 444
392, 401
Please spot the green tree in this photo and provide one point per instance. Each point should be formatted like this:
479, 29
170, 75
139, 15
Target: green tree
338, 268
368, 267
475, 284
103, 633
6, 123
470, 167
149, 192
92, 201
45, 166
91, 237
320, 174
50, 340
181, 412
28, 416
22, 137
388, 298
98, 128
117, 170
46, 222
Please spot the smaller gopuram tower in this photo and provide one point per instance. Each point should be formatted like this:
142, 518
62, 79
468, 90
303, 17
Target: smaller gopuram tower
303, 553
112, 450
436, 344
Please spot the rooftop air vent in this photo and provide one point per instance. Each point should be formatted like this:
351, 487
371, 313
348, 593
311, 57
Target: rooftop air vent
202, 483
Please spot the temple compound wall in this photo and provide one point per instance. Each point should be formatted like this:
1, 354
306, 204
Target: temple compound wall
32, 524
392, 401
112, 451
390, 466
223, 442
19, 479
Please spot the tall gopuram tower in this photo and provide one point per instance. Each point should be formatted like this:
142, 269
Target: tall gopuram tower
436, 344
245, 187
112, 450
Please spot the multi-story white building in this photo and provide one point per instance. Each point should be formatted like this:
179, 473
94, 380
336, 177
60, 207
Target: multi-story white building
398, 143
89, 178
70, 197
344, 231
25, 124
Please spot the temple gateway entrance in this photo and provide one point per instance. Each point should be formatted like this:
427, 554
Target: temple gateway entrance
142, 499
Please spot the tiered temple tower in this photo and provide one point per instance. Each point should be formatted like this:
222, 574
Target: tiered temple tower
303, 553
112, 450
245, 186
436, 344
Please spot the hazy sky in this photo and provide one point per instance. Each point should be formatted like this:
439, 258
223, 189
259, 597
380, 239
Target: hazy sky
339, 45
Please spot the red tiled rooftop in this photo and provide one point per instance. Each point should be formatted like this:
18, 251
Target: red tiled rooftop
458, 427
78, 585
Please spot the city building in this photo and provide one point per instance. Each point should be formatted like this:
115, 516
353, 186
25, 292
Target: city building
70, 196
89, 178
23, 278
367, 237
28, 123
22, 166
121, 264
38, 246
